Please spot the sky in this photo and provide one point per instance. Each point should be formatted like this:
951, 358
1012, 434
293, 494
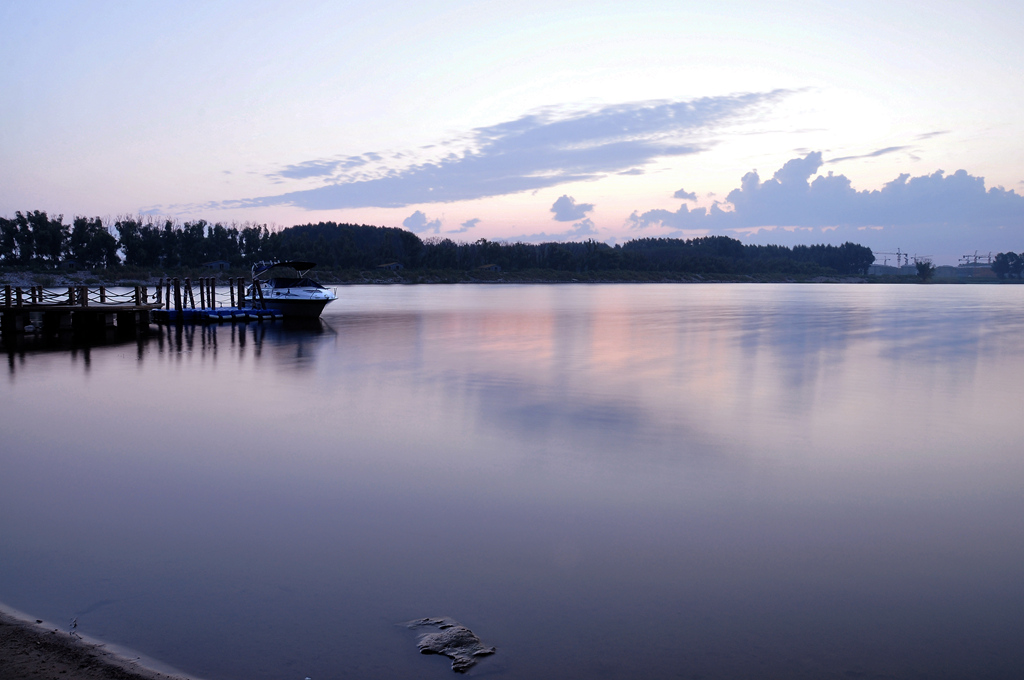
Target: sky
897, 125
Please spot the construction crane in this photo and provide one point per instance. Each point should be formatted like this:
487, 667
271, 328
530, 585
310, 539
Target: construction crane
972, 260
899, 255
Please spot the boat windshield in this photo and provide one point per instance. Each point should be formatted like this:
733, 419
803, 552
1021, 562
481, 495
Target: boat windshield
294, 268
304, 282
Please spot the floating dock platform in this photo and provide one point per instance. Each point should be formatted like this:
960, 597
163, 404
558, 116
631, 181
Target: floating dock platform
214, 315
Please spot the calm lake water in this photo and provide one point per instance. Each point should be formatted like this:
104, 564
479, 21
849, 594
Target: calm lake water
603, 481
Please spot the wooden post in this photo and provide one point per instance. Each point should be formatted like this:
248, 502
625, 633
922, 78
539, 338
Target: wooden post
188, 291
20, 301
212, 294
241, 291
231, 288
83, 293
145, 295
159, 293
138, 296
202, 293
71, 295
103, 294
259, 291
167, 297
177, 296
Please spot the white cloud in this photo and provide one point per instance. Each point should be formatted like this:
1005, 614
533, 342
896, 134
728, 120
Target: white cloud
539, 150
938, 211
580, 231
466, 226
419, 224
566, 209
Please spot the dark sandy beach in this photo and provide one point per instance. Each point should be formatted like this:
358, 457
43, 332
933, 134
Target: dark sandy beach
31, 650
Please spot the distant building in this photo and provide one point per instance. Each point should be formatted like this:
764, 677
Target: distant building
968, 271
219, 265
976, 271
393, 266
888, 270
489, 268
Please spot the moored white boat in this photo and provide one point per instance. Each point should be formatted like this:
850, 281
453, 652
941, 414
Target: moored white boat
285, 287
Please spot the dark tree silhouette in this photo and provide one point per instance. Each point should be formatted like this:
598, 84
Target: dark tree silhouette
8, 240
35, 238
1016, 264
1008, 265
92, 245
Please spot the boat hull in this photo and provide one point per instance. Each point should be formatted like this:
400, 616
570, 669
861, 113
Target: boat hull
305, 309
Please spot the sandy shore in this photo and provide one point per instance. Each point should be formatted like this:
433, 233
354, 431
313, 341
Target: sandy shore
33, 649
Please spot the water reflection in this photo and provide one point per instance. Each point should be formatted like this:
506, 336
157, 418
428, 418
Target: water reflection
603, 481
292, 344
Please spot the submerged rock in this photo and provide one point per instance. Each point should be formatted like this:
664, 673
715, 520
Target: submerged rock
454, 640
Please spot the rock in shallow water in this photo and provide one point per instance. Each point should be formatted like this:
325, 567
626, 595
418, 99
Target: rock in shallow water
454, 640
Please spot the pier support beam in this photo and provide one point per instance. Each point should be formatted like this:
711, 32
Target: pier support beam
127, 321
54, 322
13, 322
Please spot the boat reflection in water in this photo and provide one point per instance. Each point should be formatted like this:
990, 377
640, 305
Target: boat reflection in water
289, 343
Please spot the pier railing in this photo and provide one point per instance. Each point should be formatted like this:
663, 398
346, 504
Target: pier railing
93, 309
171, 293
73, 296
98, 307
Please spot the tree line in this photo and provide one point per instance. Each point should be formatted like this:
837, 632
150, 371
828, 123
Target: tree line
349, 246
36, 239
1008, 265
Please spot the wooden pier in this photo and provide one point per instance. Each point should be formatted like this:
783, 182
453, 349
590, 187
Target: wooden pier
78, 308
86, 310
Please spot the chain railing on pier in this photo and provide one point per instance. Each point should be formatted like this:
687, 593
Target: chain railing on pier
171, 293
76, 296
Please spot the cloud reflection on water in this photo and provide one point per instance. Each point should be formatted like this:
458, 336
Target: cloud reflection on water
717, 478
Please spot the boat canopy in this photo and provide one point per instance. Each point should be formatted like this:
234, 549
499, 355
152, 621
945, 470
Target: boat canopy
298, 265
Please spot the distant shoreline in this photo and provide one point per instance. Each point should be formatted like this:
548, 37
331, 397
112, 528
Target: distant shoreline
31, 648
328, 277
64, 279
